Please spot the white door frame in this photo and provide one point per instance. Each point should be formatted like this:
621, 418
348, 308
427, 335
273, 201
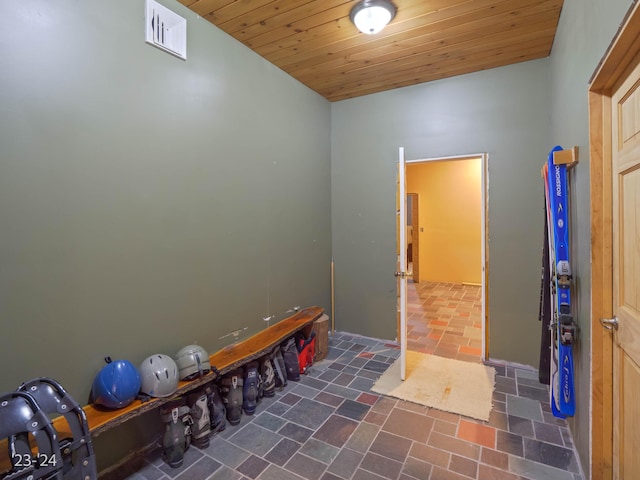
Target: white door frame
402, 273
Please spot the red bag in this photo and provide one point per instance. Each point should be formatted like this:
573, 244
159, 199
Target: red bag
306, 350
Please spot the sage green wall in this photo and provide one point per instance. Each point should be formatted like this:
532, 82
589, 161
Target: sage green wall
148, 202
504, 112
585, 30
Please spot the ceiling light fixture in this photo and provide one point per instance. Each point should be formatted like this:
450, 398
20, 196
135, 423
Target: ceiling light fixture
371, 16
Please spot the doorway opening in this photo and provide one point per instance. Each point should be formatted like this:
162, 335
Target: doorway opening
446, 256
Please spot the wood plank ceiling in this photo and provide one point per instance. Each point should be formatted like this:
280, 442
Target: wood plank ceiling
315, 42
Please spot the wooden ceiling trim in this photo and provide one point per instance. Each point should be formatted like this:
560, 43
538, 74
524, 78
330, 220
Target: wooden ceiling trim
315, 38
361, 42
420, 39
451, 37
444, 18
326, 20
285, 21
470, 66
434, 42
423, 62
315, 42
340, 29
465, 63
260, 11
203, 7
382, 87
443, 61
439, 34
223, 10
187, 3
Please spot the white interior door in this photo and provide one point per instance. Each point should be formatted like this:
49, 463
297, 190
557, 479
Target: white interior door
402, 260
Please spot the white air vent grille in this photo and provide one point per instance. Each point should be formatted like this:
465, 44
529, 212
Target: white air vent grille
166, 29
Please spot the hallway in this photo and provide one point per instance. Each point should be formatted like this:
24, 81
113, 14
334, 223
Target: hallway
445, 319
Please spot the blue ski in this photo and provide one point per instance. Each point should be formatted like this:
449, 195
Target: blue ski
554, 379
561, 384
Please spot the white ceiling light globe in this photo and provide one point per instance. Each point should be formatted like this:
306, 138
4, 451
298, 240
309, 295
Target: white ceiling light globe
371, 16
372, 20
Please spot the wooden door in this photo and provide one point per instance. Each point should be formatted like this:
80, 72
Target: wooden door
613, 357
625, 117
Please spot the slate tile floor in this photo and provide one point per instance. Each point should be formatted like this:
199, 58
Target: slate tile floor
329, 426
445, 319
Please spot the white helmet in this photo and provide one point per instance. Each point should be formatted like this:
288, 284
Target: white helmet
158, 376
192, 361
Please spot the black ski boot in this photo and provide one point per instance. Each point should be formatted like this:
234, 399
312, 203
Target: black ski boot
250, 389
177, 433
279, 368
260, 383
217, 412
268, 377
199, 409
290, 356
231, 389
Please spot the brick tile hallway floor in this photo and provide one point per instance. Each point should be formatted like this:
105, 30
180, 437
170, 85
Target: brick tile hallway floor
445, 319
329, 426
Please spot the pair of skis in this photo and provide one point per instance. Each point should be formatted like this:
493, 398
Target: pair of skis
559, 328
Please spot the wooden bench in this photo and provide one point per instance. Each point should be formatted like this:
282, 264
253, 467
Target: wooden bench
233, 356
101, 419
